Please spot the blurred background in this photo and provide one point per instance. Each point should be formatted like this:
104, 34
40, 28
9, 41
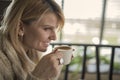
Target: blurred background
92, 22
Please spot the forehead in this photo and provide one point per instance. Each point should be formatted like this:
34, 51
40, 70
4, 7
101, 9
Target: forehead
48, 19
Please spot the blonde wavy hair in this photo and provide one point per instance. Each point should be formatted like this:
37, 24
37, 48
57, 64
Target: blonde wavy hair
25, 11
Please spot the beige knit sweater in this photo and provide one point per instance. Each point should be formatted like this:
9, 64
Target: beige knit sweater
8, 73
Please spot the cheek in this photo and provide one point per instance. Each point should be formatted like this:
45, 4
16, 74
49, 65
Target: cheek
35, 37
43, 36
31, 37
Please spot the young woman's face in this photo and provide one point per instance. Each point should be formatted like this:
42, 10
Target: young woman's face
39, 34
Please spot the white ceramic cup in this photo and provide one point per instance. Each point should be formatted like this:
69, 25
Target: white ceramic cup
67, 53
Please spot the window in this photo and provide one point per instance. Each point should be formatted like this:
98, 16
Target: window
84, 21
112, 24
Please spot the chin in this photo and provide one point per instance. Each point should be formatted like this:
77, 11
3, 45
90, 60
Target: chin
43, 50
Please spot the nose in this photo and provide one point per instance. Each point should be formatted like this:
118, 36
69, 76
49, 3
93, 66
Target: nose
53, 35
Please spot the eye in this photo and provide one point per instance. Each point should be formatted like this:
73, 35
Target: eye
47, 29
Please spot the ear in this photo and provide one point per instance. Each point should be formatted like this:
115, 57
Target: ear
21, 29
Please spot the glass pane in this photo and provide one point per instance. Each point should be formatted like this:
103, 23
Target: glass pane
83, 19
112, 24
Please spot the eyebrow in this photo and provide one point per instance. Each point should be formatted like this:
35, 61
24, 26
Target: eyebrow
49, 26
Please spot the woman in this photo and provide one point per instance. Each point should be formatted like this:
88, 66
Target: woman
28, 28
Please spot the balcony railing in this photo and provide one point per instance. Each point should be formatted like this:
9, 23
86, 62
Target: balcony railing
97, 55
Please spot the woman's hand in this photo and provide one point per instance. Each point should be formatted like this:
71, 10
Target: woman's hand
49, 66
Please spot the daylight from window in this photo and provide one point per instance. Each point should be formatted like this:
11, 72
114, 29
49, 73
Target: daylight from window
83, 21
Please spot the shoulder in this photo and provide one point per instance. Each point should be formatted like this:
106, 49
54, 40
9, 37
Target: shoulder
4, 59
5, 67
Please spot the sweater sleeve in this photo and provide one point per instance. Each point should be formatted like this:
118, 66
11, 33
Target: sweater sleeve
5, 70
31, 77
1, 77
